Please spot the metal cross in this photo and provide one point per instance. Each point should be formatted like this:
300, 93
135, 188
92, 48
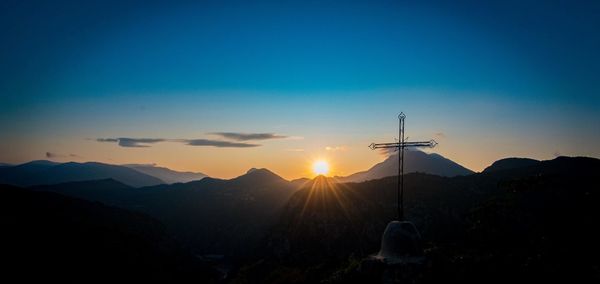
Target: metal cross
400, 145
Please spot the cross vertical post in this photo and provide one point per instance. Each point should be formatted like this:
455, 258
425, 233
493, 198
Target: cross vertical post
400, 193
400, 146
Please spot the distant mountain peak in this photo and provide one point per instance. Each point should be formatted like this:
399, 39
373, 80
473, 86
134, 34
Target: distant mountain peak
415, 161
260, 173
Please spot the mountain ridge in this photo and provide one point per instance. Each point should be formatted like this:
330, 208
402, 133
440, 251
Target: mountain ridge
263, 215
416, 161
471, 225
47, 172
165, 174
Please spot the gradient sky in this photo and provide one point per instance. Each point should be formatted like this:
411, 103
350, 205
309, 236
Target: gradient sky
487, 80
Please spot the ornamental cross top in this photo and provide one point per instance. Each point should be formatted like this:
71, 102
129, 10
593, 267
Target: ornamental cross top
399, 146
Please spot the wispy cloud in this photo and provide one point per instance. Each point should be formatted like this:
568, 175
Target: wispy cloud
238, 136
238, 140
440, 135
295, 150
336, 148
387, 151
144, 142
218, 143
132, 142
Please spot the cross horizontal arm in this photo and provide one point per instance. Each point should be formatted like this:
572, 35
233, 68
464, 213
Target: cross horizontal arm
430, 143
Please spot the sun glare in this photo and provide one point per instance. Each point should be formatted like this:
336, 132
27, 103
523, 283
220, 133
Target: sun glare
320, 167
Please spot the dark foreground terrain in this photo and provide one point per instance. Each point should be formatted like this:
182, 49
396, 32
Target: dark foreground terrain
533, 223
50, 237
517, 221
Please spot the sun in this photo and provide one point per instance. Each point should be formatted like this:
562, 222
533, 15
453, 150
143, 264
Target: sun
320, 167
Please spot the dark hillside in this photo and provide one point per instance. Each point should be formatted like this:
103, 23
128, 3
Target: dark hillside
532, 223
53, 238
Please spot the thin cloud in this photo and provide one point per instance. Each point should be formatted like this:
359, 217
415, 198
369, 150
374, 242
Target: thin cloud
295, 150
107, 139
386, 152
132, 142
336, 148
237, 136
218, 143
440, 135
144, 142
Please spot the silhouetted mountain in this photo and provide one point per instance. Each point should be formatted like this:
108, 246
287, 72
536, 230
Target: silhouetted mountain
5, 165
212, 216
253, 180
24, 171
46, 172
576, 166
53, 238
510, 163
516, 223
20, 174
531, 223
217, 216
261, 176
415, 161
167, 175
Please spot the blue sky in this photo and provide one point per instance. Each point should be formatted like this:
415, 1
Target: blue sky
494, 79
